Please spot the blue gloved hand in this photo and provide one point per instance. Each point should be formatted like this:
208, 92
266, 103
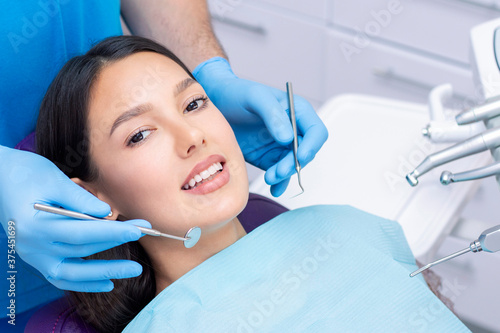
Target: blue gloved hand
54, 244
258, 116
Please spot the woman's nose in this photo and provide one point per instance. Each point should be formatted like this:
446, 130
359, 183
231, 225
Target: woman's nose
189, 138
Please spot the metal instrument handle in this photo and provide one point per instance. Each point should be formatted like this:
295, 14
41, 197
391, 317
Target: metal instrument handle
257, 29
390, 74
80, 216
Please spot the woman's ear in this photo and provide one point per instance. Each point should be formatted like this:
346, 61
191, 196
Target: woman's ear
89, 187
85, 185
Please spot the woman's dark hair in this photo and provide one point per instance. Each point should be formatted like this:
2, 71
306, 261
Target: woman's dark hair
62, 136
61, 133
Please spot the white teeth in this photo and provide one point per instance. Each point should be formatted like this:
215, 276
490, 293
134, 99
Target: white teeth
205, 174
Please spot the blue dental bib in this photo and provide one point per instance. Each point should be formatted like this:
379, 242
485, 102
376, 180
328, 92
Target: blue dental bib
315, 269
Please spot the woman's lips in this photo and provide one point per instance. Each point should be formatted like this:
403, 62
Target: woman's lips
219, 180
208, 175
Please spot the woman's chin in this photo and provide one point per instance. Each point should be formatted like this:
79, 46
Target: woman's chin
222, 212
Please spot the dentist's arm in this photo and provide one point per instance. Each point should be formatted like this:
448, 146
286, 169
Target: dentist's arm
184, 27
257, 113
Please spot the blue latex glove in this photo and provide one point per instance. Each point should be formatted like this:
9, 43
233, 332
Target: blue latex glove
54, 244
258, 116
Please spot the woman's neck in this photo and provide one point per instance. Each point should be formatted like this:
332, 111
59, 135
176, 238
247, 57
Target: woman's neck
171, 259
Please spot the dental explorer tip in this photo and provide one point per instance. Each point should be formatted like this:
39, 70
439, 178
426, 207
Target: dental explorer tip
446, 178
420, 270
412, 179
415, 273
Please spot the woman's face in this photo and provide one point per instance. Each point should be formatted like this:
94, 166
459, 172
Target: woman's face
163, 151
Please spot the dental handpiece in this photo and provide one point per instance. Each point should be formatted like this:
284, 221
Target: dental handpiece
488, 241
490, 170
190, 239
485, 111
487, 140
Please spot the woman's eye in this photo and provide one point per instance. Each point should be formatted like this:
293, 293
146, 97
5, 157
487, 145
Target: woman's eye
196, 104
138, 137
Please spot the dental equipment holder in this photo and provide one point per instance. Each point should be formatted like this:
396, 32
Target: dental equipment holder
483, 117
291, 106
441, 127
488, 241
190, 239
489, 139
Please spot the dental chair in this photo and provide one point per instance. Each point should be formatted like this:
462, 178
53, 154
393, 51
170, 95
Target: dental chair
60, 316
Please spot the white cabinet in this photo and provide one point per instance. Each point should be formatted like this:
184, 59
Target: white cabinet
260, 47
413, 45
437, 28
382, 70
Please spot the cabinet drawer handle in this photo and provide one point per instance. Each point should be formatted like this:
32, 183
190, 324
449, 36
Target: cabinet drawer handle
389, 74
493, 6
241, 25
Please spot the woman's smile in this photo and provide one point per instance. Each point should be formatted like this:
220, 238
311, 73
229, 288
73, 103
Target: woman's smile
207, 176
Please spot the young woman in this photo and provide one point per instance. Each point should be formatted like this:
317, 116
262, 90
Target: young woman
128, 122
153, 147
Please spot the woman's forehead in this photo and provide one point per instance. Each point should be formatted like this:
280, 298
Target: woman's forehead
138, 78
141, 70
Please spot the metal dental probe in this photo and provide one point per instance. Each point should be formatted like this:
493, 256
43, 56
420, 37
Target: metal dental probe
485, 111
490, 170
488, 241
190, 239
487, 140
291, 106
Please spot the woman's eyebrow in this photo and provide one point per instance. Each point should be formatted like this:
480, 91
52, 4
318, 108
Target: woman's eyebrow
129, 114
143, 108
183, 85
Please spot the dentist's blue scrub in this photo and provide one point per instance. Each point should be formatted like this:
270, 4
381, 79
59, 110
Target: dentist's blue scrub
36, 40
